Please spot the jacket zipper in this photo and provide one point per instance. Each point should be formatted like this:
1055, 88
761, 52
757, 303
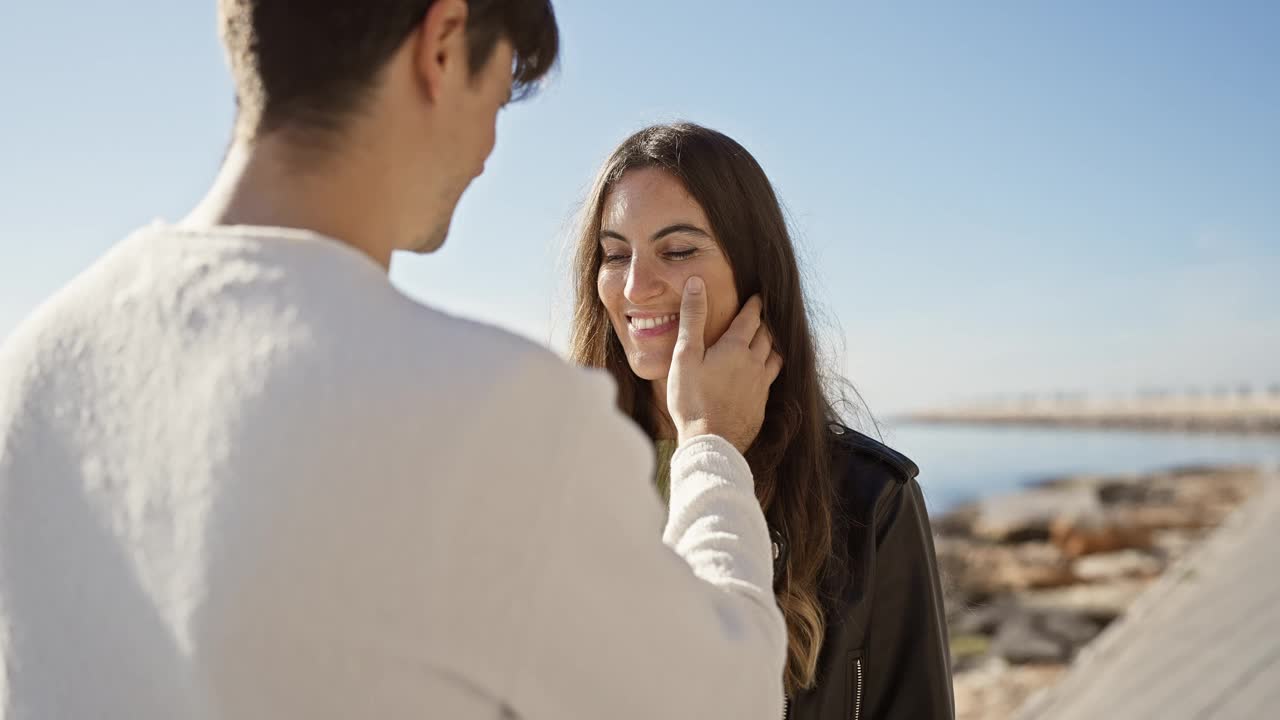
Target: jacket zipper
857, 694
857, 689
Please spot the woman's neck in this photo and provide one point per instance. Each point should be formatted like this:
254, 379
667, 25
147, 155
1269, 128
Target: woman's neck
663, 427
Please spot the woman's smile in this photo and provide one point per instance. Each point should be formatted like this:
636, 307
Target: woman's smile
651, 326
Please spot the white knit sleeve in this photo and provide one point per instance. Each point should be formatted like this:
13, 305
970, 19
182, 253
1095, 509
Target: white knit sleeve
623, 624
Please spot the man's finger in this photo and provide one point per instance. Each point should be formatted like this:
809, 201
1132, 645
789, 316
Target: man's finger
693, 319
762, 344
744, 326
772, 367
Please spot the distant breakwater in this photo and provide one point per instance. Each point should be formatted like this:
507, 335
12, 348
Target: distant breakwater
1253, 413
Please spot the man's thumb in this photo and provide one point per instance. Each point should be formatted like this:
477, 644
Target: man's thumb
693, 316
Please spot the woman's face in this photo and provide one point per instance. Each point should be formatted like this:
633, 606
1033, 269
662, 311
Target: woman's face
653, 237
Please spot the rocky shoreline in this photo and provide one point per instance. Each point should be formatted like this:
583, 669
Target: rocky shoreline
1033, 577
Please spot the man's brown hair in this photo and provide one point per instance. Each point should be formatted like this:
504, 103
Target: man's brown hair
309, 65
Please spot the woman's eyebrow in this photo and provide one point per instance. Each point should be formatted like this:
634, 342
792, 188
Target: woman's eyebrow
680, 227
668, 230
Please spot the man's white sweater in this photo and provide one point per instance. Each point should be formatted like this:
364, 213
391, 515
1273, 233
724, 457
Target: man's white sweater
241, 476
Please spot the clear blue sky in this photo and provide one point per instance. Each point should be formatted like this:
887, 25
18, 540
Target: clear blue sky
1014, 197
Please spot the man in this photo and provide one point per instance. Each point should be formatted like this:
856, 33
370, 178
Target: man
242, 477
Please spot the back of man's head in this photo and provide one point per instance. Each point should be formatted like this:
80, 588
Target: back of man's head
309, 66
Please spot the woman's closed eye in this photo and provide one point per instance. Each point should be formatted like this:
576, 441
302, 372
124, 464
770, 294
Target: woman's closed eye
618, 258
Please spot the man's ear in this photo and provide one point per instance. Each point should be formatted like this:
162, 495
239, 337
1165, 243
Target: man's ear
441, 49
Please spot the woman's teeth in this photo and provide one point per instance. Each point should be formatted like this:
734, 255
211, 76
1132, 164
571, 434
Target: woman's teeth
651, 323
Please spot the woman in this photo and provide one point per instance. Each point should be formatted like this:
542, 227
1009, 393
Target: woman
855, 572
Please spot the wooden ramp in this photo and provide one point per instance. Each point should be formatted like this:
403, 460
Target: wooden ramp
1204, 642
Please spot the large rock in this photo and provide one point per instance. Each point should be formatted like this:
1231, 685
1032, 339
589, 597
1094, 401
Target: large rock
974, 569
1100, 602
1213, 492
1086, 533
1117, 565
1133, 491
1071, 628
1069, 482
1020, 642
983, 618
1124, 527
1047, 636
1027, 516
1169, 517
994, 690
957, 522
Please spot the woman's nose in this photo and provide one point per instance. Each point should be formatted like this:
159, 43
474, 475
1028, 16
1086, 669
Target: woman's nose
644, 282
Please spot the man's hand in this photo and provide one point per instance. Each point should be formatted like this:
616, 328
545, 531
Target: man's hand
721, 390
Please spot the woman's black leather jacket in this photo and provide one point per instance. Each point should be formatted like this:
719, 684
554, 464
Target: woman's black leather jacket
885, 655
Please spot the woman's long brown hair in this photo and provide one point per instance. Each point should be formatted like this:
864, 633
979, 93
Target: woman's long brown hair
791, 457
